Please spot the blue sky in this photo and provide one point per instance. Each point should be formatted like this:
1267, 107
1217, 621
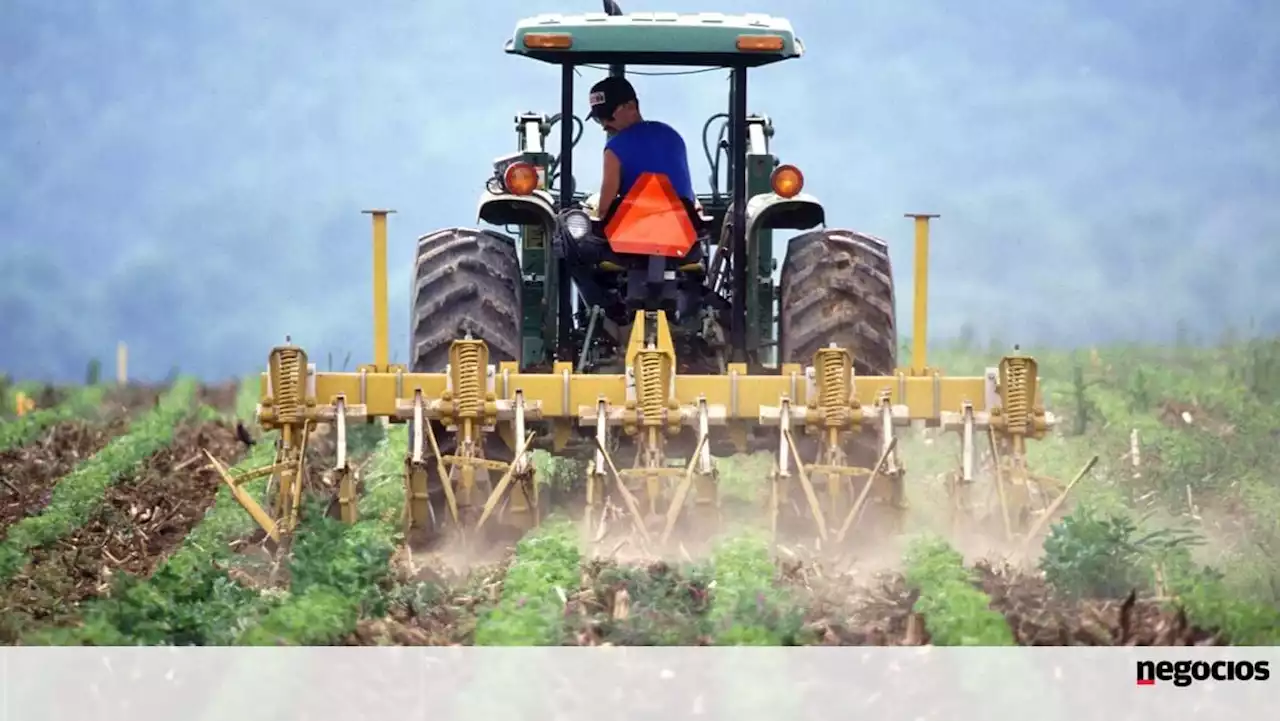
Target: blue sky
188, 177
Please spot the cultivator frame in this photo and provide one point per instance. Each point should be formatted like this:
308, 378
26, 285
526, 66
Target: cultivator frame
649, 403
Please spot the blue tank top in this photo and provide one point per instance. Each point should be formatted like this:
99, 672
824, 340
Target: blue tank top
650, 146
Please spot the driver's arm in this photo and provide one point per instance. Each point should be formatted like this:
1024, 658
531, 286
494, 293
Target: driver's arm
611, 180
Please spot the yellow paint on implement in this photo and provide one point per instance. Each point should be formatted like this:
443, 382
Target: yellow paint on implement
648, 403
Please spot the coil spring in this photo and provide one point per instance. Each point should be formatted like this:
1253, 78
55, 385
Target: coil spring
832, 393
468, 391
649, 391
1017, 404
288, 396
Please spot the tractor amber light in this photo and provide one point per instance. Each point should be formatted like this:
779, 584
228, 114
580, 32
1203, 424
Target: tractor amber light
548, 41
760, 42
520, 179
787, 181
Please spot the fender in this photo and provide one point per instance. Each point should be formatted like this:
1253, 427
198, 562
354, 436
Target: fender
770, 210
505, 209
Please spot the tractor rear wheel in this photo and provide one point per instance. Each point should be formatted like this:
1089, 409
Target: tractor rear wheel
464, 281
837, 287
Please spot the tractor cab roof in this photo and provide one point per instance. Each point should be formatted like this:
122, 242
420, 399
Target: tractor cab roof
655, 38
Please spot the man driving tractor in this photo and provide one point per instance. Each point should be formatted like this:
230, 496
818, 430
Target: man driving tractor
635, 146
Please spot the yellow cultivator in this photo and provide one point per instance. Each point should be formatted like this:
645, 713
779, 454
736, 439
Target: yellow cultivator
650, 338
659, 416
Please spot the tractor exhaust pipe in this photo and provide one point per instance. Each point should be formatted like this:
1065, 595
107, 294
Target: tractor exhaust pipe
920, 306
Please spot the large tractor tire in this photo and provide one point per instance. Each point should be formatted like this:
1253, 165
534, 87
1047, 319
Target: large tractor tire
837, 287
464, 281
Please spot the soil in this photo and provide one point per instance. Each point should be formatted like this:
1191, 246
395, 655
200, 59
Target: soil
144, 516
657, 604
221, 396
131, 401
1040, 617
29, 472
135, 397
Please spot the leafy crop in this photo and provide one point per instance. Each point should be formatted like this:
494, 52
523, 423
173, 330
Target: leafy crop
20, 431
1098, 554
530, 611
337, 571
78, 493
188, 599
746, 608
956, 613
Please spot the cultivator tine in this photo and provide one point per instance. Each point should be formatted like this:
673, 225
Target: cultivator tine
338, 413
417, 505
966, 444
445, 473
810, 494
1001, 487
1053, 507
682, 491
782, 415
633, 506
595, 471
851, 518
499, 491
650, 416
832, 413
254, 509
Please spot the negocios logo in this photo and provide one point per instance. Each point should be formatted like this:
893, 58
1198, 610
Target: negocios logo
1185, 673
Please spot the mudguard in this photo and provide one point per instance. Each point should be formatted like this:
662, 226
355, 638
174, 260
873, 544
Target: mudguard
505, 209
769, 210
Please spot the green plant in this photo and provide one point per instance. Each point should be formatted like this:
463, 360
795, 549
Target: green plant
339, 573
77, 494
667, 604
188, 599
956, 612
1092, 553
531, 610
746, 608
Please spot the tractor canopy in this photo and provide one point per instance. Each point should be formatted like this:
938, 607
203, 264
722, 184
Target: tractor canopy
654, 38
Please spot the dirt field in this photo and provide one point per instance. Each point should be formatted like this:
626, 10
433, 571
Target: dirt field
439, 599
28, 473
145, 515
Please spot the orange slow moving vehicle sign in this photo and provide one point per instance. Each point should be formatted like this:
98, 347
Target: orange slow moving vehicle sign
651, 220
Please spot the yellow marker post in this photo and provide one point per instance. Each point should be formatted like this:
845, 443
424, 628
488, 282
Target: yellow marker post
122, 363
920, 310
23, 404
381, 342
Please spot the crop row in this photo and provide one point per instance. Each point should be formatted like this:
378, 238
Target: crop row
188, 598
338, 572
530, 611
955, 611
82, 401
77, 494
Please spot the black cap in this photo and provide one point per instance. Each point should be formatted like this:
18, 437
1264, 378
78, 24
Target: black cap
608, 94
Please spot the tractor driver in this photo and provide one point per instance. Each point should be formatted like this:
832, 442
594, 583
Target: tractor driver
635, 146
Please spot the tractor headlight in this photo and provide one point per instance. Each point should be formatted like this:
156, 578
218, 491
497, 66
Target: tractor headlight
577, 224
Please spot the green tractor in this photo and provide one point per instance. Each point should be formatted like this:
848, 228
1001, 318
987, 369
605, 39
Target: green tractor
516, 293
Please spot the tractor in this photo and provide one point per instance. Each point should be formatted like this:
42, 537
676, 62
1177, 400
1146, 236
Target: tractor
650, 335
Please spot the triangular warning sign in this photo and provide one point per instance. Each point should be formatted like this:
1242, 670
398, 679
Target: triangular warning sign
651, 220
